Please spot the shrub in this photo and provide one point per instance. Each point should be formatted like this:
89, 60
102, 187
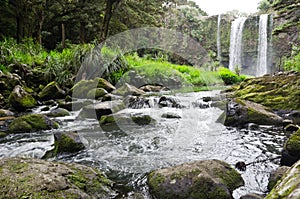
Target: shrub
230, 77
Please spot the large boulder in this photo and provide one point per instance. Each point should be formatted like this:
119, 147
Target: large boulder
21, 100
52, 91
31, 122
96, 93
5, 113
240, 112
208, 179
83, 87
291, 150
128, 89
276, 175
289, 185
102, 108
59, 112
34, 178
65, 142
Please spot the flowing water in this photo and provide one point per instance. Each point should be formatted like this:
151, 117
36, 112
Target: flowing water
262, 58
236, 38
219, 38
128, 154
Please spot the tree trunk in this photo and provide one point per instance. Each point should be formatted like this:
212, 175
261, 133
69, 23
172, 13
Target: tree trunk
82, 32
20, 29
63, 36
107, 17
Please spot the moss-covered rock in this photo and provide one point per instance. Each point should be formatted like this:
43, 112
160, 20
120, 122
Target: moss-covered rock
276, 175
59, 112
291, 150
240, 112
208, 179
21, 100
31, 122
83, 87
289, 185
66, 142
96, 93
5, 113
280, 91
34, 178
52, 91
128, 89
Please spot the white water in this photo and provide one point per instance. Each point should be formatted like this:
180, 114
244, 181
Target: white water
236, 37
262, 58
219, 38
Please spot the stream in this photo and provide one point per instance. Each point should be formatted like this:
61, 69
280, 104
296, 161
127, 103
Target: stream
128, 154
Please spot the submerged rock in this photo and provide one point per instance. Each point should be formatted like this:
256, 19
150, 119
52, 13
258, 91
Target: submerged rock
208, 179
241, 112
171, 115
291, 150
34, 178
66, 142
289, 185
52, 91
21, 100
31, 122
59, 112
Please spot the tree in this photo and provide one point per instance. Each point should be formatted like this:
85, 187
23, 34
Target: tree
264, 6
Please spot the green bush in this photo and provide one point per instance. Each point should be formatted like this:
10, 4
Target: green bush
230, 77
293, 63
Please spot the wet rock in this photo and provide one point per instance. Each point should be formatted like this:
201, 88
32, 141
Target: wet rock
46, 108
276, 175
291, 128
171, 115
252, 196
31, 122
5, 113
81, 89
169, 101
59, 112
137, 102
66, 142
102, 108
240, 112
21, 100
201, 104
111, 97
208, 179
96, 93
2, 100
294, 116
288, 186
219, 104
52, 91
34, 178
291, 150
2, 134
126, 119
153, 88
127, 89
74, 105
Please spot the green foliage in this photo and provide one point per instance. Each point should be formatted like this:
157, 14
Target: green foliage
264, 6
294, 62
230, 77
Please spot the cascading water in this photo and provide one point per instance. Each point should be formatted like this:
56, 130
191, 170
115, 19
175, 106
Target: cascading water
262, 58
219, 38
236, 37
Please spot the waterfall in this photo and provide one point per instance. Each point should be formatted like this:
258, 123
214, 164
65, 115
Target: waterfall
236, 36
219, 39
262, 57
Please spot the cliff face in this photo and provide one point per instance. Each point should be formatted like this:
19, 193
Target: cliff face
283, 34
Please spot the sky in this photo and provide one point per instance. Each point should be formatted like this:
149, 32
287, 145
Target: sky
214, 7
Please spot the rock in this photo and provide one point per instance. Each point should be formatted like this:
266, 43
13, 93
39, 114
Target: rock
67, 142
111, 97
81, 89
169, 101
96, 93
153, 88
294, 116
291, 128
276, 175
137, 102
2, 100
2, 134
102, 108
34, 178
31, 122
125, 119
5, 113
170, 115
52, 91
74, 105
127, 89
240, 112
21, 100
252, 196
59, 112
291, 150
289, 185
208, 179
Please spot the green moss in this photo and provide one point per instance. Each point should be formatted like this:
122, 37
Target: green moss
293, 144
155, 180
82, 88
107, 120
142, 119
66, 144
231, 178
2, 134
